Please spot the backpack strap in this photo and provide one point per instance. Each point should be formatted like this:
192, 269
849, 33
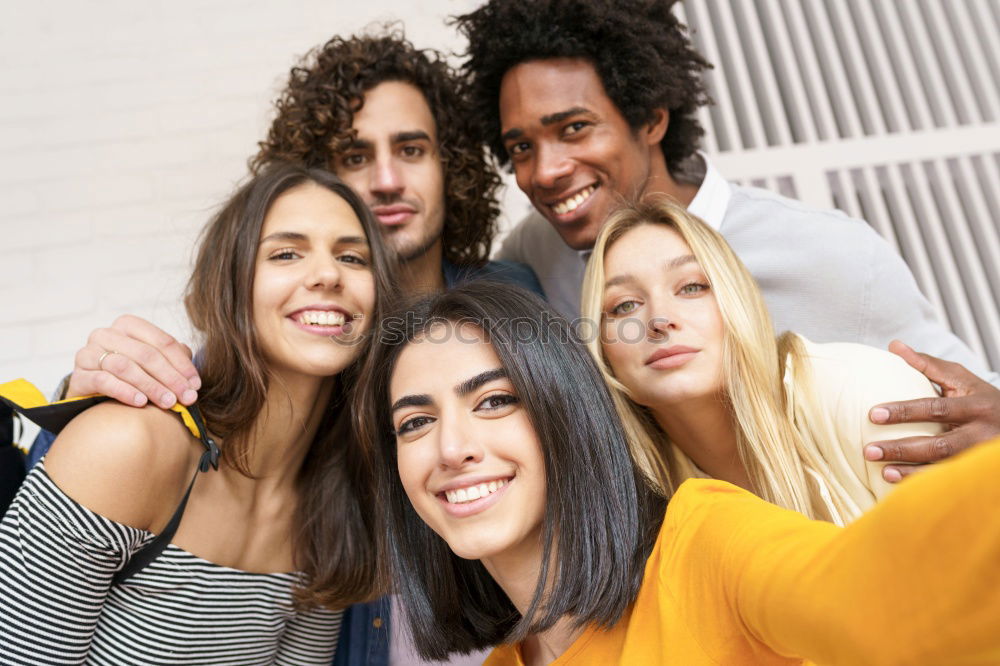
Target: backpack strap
22, 397
141, 558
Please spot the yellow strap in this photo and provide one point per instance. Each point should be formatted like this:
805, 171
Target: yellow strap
25, 395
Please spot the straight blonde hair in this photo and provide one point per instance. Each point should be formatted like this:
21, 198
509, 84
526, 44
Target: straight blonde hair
775, 439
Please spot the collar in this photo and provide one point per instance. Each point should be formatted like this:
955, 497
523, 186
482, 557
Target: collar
712, 199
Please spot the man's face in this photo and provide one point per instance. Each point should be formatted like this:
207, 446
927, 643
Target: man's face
573, 152
395, 166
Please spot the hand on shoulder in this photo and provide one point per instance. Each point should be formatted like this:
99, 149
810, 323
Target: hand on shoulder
129, 465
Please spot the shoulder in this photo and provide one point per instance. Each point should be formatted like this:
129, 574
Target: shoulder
763, 208
874, 372
124, 463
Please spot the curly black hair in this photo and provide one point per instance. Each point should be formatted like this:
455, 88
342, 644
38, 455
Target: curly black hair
315, 114
638, 47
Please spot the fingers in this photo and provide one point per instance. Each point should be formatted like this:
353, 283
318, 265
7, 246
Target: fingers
177, 354
124, 363
896, 473
924, 449
948, 375
938, 410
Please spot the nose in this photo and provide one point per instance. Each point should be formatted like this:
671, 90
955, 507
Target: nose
457, 445
324, 273
661, 321
552, 165
386, 178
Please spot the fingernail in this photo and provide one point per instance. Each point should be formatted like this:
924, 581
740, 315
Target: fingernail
195, 382
891, 475
880, 415
139, 400
167, 400
874, 453
189, 397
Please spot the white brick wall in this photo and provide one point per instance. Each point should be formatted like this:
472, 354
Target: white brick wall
122, 125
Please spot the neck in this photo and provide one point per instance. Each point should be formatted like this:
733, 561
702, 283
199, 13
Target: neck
516, 572
423, 274
704, 430
660, 181
284, 431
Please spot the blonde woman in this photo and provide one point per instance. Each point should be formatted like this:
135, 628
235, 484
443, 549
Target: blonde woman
703, 386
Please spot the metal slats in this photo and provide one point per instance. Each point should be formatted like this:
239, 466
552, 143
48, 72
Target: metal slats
894, 86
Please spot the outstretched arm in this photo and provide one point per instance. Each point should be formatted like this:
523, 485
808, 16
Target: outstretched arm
968, 404
914, 581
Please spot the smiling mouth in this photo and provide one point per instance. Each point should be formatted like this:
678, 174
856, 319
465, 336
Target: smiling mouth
320, 318
472, 493
569, 204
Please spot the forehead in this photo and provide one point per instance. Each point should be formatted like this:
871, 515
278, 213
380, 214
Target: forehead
392, 107
440, 359
536, 88
311, 208
656, 243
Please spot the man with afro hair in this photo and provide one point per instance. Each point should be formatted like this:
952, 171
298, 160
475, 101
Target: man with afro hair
592, 102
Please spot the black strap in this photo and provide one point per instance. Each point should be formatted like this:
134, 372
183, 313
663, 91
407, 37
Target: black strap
141, 559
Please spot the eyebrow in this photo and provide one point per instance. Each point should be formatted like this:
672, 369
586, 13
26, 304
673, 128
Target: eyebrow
549, 119
299, 237
398, 137
563, 115
463, 389
412, 135
421, 400
471, 384
672, 264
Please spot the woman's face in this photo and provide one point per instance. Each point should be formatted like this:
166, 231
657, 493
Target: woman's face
662, 330
469, 459
313, 291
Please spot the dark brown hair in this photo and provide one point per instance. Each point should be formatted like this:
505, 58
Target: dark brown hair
597, 506
640, 50
315, 114
334, 537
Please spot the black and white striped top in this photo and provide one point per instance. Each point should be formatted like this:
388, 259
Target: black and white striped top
57, 605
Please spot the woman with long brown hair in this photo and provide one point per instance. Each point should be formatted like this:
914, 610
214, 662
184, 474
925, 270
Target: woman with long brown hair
289, 278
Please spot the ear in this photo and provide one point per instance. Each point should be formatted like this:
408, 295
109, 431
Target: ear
656, 128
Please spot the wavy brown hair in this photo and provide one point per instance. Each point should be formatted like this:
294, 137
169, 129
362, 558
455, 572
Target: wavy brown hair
334, 537
640, 50
315, 114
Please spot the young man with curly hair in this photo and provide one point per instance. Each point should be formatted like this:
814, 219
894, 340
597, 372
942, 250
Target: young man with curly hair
390, 120
591, 102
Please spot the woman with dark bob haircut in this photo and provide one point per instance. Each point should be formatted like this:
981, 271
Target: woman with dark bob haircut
111, 553
516, 517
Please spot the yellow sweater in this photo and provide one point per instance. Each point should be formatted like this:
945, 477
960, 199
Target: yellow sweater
735, 580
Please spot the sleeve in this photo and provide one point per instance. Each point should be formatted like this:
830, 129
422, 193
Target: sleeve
310, 637
57, 560
897, 309
914, 581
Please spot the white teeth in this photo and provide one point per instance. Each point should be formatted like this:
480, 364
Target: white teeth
572, 203
321, 318
473, 492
